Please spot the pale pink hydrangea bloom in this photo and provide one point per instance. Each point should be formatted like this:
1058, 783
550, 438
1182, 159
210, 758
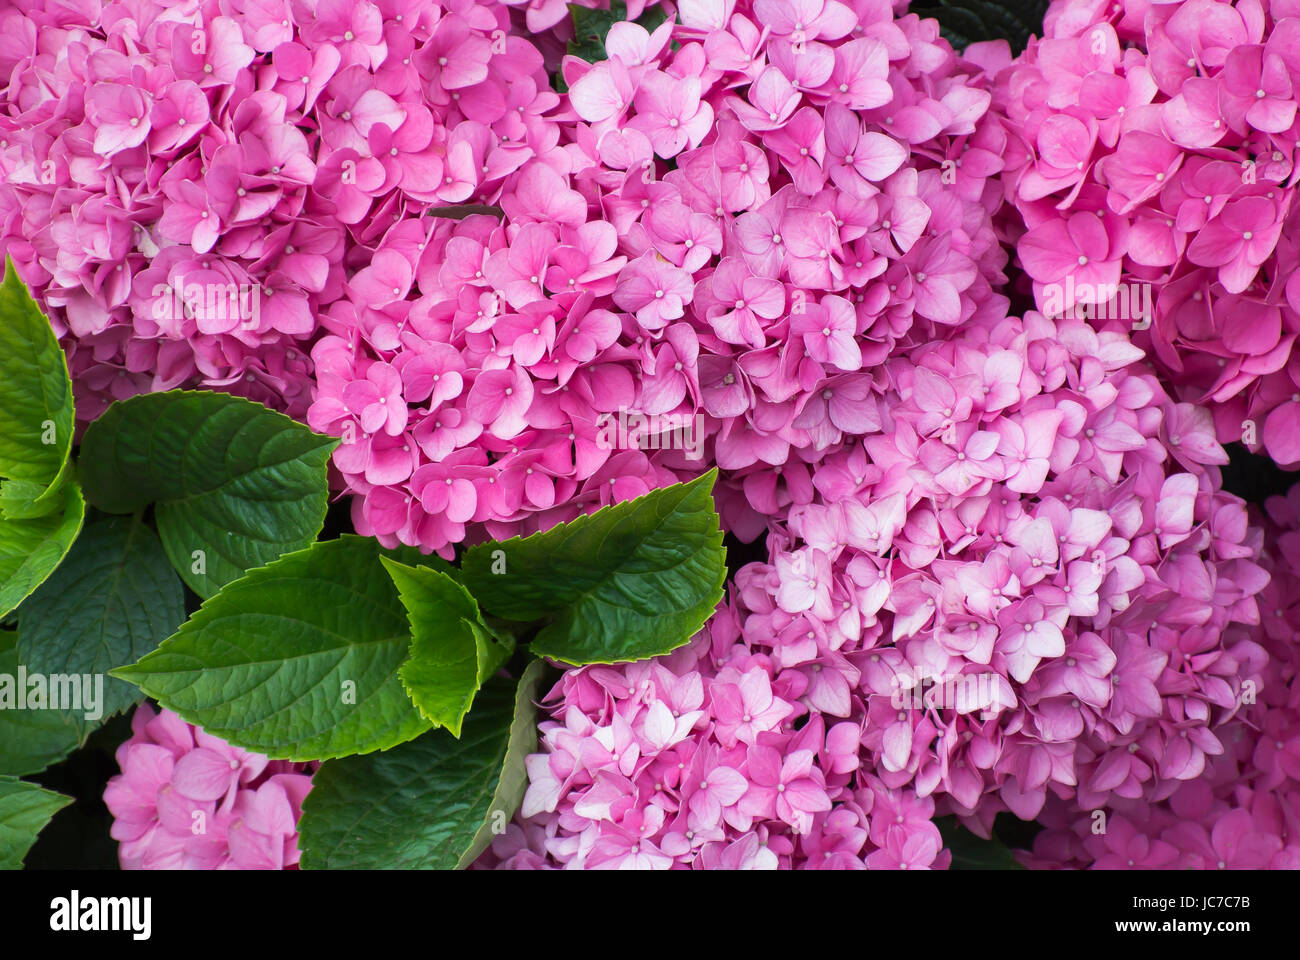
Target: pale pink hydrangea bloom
1243, 810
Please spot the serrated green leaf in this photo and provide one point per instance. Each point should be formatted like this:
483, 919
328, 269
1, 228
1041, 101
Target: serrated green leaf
36, 409
232, 479
31, 740
270, 662
31, 549
633, 580
513, 782
113, 600
452, 651
971, 852
425, 804
25, 809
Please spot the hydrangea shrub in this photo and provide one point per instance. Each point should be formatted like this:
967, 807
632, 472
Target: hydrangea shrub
953, 343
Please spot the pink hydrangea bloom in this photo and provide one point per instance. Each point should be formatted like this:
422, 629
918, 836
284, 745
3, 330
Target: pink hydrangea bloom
997, 570
189, 801
800, 213
1151, 157
990, 560
1242, 808
192, 194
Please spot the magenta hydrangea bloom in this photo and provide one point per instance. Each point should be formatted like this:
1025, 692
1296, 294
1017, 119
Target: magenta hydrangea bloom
1010, 517
687, 257
189, 801
1152, 158
191, 191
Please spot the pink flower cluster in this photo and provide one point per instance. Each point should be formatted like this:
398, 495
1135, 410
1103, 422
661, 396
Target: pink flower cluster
187, 800
1025, 585
1153, 160
736, 227
702, 759
188, 187
1244, 811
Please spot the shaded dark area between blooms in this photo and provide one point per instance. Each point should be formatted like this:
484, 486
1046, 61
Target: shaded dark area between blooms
1255, 477
77, 837
964, 22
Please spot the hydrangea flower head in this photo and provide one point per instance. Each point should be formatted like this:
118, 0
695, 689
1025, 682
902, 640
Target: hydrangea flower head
189, 801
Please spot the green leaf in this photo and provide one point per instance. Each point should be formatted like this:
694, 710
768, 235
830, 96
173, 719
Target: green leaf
36, 410
513, 782
963, 22
298, 660
590, 27
232, 479
31, 740
430, 803
24, 500
25, 809
113, 600
452, 651
31, 549
971, 852
632, 580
